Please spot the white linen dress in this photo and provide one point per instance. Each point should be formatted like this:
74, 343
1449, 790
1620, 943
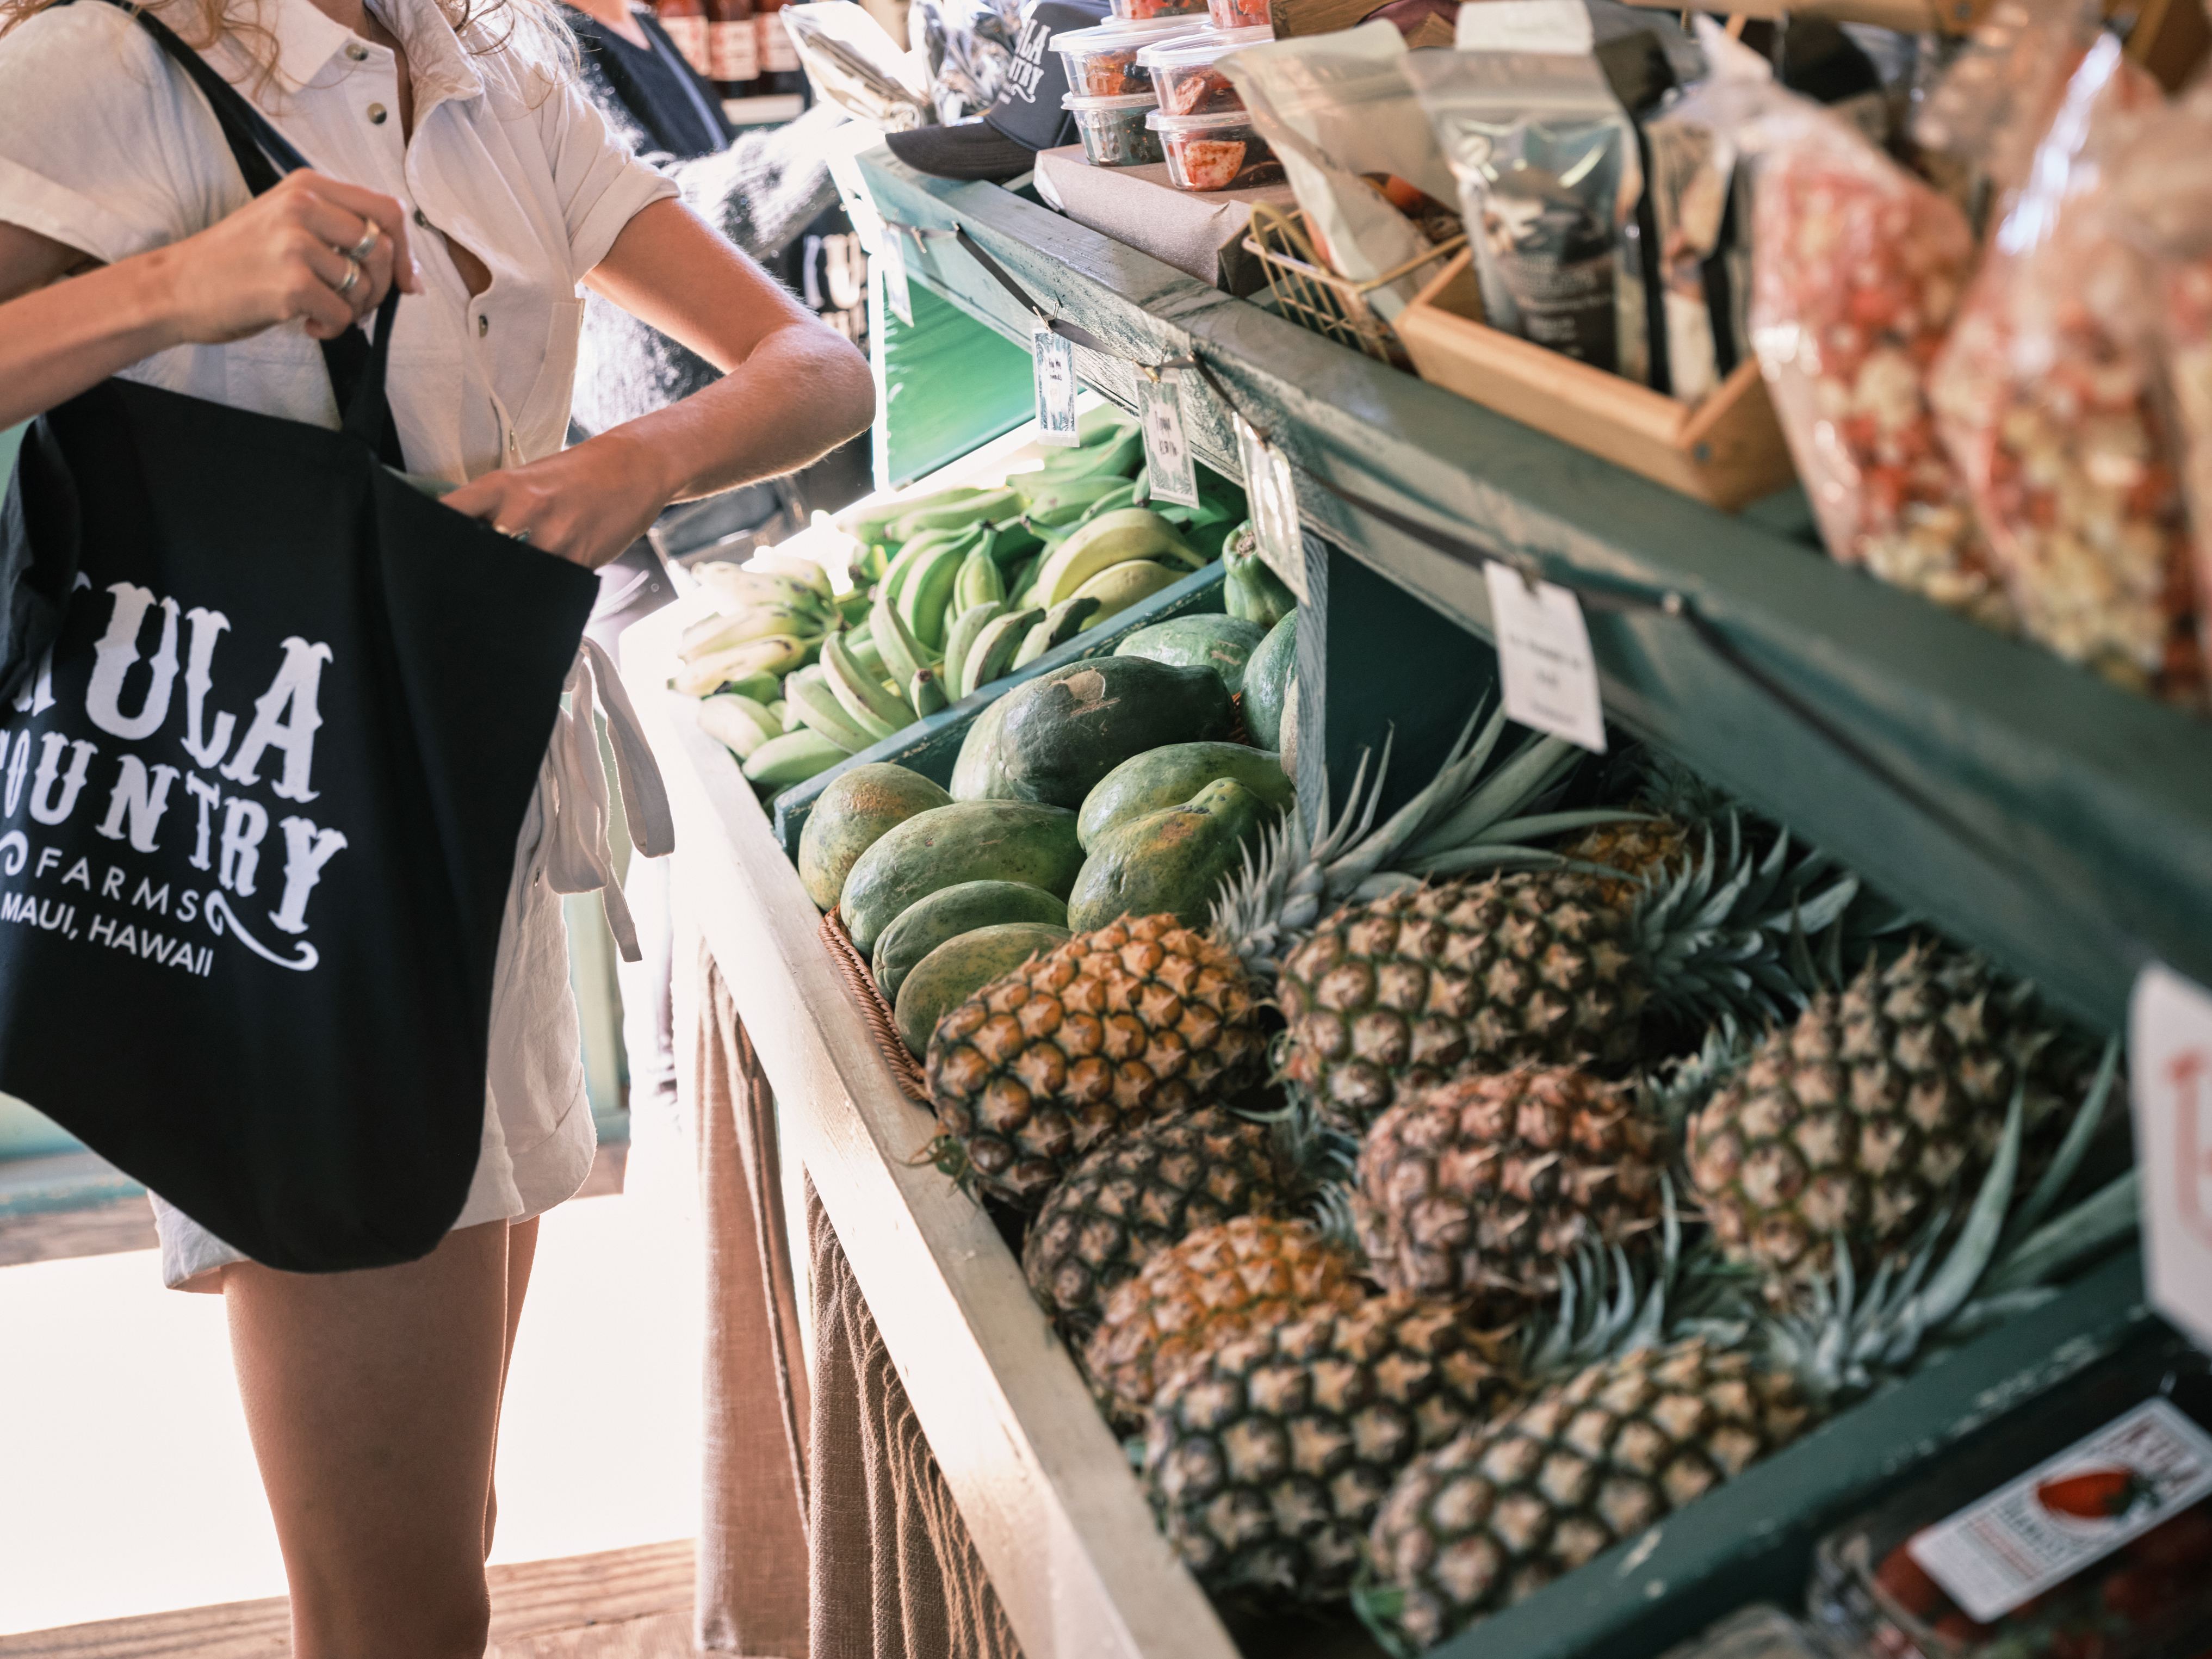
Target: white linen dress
104, 145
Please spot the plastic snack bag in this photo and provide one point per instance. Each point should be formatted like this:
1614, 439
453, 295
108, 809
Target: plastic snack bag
2048, 397
853, 63
967, 45
1549, 178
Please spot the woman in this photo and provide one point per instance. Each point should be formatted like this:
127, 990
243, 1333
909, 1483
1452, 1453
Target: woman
456, 159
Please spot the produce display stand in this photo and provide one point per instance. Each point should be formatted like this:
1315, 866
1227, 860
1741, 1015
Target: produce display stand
2021, 805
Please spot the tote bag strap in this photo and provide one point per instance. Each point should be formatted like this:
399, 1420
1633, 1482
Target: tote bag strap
264, 155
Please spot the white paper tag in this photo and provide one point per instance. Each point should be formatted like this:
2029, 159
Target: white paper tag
894, 289
1544, 657
1055, 388
1167, 451
2144, 1467
2170, 1082
1271, 493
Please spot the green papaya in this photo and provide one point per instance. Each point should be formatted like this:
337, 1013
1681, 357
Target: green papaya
1172, 860
960, 968
852, 812
1224, 644
951, 912
977, 774
1161, 778
1066, 730
968, 841
1267, 682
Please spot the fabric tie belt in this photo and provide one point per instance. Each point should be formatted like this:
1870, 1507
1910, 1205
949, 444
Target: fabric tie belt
574, 782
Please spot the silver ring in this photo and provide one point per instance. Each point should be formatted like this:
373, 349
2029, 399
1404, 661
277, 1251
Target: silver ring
522, 535
352, 276
367, 246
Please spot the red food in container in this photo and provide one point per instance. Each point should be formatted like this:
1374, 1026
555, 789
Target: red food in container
1207, 153
1139, 11
1102, 61
1184, 72
1239, 14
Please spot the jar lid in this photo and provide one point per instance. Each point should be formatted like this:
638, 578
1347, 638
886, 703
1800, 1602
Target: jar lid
1161, 121
1200, 50
1073, 100
1121, 32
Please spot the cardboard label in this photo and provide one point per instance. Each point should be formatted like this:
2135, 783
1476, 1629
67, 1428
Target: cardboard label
1055, 388
2170, 1084
2069, 1511
1544, 659
1272, 492
1167, 451
893, 259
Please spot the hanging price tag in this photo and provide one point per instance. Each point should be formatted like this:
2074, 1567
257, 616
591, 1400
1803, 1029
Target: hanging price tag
2170, 1080
1273, 495
893, 259
1055, 388
1544, 657
1167, 451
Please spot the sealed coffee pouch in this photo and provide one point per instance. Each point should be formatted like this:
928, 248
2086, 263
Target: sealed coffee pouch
1546, 159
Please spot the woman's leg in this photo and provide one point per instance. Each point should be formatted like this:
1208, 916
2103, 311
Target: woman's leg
521, 1252
373, 1399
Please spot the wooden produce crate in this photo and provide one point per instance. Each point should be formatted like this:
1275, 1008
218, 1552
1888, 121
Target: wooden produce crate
1727, 451
932, 744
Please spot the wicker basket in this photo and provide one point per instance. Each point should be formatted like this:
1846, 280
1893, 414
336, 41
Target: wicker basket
882, 1026
1308, 293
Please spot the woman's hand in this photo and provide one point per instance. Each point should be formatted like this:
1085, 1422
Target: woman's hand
585, 505
312, 249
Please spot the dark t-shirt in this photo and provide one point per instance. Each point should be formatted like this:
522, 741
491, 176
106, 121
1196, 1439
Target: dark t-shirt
678, 109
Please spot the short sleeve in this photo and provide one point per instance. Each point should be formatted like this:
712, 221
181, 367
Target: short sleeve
94, 127
601, 186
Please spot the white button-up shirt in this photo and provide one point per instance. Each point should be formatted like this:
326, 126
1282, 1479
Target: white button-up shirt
107, 147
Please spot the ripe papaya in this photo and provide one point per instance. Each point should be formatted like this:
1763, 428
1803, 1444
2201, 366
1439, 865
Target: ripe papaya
960, 968
1161, 778
1171, 860
852, 812
1066, 730
968, 841
1224, 644
1267, 680
951, 912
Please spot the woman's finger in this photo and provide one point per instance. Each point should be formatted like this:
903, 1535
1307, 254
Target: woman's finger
328, 312
387, 212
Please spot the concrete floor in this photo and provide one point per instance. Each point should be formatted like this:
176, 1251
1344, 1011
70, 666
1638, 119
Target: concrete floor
127, 1485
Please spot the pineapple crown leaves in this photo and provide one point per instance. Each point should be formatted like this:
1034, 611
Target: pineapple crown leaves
1380, 1605
1679, 1089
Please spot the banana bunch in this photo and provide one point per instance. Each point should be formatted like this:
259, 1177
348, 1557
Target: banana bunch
775, 620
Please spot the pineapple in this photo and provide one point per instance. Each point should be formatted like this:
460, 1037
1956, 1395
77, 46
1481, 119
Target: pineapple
1487, 1183
1416, 987
1221, 1283
1872, 1108
1117, 1026
1146, 1017
1680, 802
1510, 1505
1133, 1195
1268, 1457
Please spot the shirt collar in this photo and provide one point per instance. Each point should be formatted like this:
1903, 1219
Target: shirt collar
307, 40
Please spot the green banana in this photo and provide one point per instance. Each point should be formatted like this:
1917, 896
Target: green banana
762, 688
994, 647
978, 582
821, 712
786, 718
928, 592
864, 698
1018, 583
1013, 541
736, 583
861, 643
712, 634
903, 656
1121, 586
926, 691
1114, 501
792, 758
778, 653
1135, 532
803, 570
960, 638
1054, 502
738, 724
1100, 422
874, 526
1141, 486
1061, 623
991, 504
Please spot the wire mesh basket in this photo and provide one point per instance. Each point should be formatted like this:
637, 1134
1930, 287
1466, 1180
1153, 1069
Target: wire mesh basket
1305, 290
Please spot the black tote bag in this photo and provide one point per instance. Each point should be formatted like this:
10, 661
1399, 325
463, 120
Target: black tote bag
260, 800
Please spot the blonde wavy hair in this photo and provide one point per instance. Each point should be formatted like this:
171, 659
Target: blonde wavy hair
534, 28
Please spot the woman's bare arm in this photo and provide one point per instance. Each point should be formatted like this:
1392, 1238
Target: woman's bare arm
792, 389
268, 263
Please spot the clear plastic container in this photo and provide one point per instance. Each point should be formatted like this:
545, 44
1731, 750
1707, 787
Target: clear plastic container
1140, 11
1102, 61
2081, 1528
1183, 73
1761, 1630
1114, 130
1215, 152
1226, 14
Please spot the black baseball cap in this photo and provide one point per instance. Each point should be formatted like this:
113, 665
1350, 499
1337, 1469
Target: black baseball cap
1027, 118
